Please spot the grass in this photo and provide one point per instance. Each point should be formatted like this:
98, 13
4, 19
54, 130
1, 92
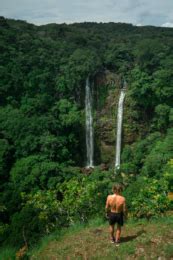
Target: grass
140, 240
59, 235
168, 250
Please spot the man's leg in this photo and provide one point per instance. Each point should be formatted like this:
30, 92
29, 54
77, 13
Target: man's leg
111, 228
118, 233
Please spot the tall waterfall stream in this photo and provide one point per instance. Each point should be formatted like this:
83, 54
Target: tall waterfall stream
89, 125
119, 128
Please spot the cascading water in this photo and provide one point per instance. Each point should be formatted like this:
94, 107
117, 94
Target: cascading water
89, 125
119, 126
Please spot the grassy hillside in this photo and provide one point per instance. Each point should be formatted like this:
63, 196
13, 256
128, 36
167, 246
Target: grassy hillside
140, 240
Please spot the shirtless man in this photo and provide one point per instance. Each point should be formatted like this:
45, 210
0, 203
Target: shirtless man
116, 210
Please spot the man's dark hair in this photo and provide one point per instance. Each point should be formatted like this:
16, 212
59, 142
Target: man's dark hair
117, 188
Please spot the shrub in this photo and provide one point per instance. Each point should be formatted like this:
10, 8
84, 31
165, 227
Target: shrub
41, 214
147, 197
85, 197
168, 174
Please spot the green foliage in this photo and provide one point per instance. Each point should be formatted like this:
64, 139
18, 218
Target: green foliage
147, 197
149, 54
41, 213
168, 174
162, 84
158, 156
8, 253
3, 227
85, 196
168, 250
118, 56
75, 200
47, 206
141, 90
133, 156
5, 160
79, 65
36, 172
162, 116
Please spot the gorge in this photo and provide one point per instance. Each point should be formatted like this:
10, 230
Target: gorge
61, 110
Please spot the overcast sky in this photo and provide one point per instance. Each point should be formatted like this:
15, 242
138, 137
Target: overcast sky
138, 12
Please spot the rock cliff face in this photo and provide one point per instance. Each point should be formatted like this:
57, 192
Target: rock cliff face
107, 87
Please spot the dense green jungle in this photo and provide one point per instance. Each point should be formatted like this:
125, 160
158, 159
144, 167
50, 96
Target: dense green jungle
44, 185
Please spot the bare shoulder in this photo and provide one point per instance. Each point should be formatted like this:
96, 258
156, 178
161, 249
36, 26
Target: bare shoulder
109, 196
123, 199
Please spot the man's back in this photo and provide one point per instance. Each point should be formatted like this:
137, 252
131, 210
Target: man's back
116, 203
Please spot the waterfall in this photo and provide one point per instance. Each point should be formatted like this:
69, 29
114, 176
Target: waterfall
89, 124
119, 126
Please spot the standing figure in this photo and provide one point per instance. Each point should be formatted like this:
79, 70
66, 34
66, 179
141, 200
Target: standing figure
116, 211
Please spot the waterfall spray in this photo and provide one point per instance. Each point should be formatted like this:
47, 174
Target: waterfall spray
89, 125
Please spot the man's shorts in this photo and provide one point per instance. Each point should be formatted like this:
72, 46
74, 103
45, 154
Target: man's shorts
116, 218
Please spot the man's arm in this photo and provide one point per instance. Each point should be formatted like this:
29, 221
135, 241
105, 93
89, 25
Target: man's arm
125, 209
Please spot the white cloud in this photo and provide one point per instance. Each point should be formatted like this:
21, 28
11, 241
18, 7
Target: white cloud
138, 24
167, 24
